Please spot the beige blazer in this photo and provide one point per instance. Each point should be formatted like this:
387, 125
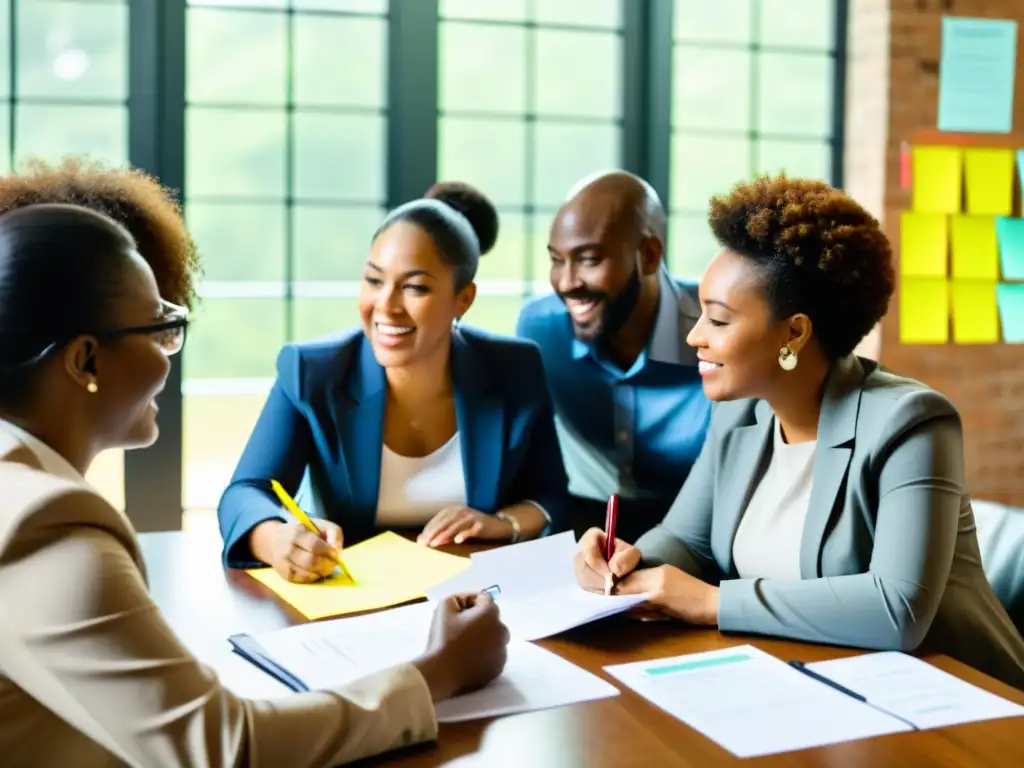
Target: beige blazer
889, 555
91, 675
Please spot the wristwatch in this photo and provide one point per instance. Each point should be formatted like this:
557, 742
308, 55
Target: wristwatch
517, 532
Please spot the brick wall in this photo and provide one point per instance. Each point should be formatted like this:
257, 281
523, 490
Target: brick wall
985, 381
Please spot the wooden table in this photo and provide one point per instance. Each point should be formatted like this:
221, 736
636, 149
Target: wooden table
205, 604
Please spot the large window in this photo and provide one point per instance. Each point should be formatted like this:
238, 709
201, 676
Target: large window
752, 93
529, 101
65, 83
284, 183
287, 160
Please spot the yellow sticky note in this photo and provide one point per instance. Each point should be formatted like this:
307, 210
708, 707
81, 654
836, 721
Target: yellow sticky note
975, 312
937, 179
924, 244
975, 248
988, 173
388, 570
924, 310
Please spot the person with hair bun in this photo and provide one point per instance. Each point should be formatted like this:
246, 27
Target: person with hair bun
413, 422
90, 673
828, 503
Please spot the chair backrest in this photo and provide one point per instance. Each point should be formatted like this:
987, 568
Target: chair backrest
1001, 538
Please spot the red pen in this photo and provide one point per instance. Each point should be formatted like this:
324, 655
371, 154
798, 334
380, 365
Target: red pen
610, 521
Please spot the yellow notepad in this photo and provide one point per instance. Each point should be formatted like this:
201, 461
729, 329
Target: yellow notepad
388, 570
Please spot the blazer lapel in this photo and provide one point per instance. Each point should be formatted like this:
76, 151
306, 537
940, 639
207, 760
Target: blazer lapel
362, 430
837, 427
743, 459
481, 421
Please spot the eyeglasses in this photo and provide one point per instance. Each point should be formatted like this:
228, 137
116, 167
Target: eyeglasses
168, 332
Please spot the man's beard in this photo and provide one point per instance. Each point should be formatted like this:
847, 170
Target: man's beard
615, 310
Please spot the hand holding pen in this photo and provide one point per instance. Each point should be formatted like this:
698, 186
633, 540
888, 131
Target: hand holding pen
602, 558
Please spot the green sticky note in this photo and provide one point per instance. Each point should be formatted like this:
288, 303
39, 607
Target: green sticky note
1011, 312
1011, 247
975, 317
937, 179
976, 74
924, 310
924, 244
975, 248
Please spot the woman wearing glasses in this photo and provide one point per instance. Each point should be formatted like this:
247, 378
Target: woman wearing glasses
90, 674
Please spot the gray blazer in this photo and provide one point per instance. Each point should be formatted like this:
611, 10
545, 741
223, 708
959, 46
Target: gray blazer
889, 555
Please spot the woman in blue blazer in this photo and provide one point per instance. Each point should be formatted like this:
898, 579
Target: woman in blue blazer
412, 421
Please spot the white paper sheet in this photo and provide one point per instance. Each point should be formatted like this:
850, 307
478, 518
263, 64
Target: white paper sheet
332, 653
915, 690
539, 594
751, 703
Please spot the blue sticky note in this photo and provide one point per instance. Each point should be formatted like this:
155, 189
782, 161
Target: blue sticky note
1011, 311
1020, 168
1010, 233
976, 75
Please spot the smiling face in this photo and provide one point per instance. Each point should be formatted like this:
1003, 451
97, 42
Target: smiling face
130, 370
408, 299
737, 339
595, 267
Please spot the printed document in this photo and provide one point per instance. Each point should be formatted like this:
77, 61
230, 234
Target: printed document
539, 596
751, 703
328, 654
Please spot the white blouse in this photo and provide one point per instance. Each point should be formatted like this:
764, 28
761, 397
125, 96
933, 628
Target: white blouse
414, 489
767, 543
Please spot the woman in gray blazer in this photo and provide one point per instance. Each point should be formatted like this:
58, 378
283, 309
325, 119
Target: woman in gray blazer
828, 503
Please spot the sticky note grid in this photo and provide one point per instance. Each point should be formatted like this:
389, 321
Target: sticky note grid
962, 248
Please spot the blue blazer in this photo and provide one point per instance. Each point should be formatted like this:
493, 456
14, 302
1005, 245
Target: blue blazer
325, 414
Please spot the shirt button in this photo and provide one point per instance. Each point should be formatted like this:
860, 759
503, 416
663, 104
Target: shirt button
623, 436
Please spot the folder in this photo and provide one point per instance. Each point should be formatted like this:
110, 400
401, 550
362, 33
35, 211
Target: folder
988, 172
937, 179
331, 654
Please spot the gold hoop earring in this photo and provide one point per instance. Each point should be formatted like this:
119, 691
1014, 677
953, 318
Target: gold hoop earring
92, 387
787, 359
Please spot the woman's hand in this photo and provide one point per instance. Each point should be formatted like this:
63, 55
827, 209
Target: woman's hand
675, 593
593, 572
468, 646
455, 525
295, 552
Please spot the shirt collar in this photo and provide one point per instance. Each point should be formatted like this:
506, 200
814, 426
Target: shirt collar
666, 341
51, 461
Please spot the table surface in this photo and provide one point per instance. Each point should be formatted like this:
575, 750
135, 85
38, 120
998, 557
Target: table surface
205, 604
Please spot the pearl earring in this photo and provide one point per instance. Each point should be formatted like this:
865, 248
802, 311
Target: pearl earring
92, 387
787, 359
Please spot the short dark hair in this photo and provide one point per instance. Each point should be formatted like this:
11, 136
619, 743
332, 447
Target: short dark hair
60, 272
460, 220
131, 197
819, 253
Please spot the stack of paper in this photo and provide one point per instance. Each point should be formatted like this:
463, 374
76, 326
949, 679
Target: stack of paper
753, 704
539, 596
386, 570
330, 654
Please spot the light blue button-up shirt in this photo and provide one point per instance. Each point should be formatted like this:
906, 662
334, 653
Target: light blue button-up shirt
636, 432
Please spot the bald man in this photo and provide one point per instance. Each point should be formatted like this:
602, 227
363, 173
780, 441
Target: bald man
630, 410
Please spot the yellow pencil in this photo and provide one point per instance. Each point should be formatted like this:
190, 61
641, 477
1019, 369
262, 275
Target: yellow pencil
289, 503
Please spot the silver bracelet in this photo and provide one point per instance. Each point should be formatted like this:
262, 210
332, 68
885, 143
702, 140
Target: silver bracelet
517, 532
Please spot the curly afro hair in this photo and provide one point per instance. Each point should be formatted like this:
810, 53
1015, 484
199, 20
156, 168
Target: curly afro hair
131, 197
819, 253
